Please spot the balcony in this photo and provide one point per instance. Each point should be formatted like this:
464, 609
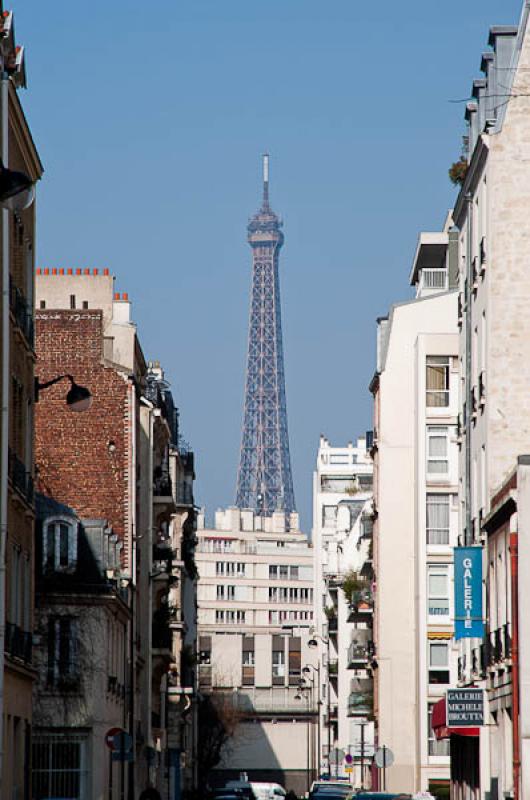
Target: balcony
18, 643
22, 312
333, 667
274, 699
361, 698
361, 648
333, 625
361, 605
20, 477
333, 714
431, 281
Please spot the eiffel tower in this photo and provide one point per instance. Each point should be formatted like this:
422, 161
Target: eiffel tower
264, 481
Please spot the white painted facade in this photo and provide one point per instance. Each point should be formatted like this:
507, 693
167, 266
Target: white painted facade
416, 390
255, 612
342, 545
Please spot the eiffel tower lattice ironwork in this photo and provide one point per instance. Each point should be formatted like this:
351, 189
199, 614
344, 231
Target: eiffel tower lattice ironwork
264, 481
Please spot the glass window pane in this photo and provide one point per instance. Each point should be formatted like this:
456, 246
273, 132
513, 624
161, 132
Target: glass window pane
437, 585
438, 655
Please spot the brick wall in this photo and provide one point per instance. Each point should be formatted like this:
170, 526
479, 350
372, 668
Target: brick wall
81, 457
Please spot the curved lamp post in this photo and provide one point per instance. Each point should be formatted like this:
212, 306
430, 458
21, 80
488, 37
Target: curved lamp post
17, 190
306, 671
306, 691
79, 398
313, 642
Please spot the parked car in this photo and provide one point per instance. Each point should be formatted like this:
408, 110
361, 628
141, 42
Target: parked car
268, 791
362, 795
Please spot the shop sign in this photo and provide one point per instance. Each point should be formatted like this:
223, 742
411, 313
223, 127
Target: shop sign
465, 708
469, 622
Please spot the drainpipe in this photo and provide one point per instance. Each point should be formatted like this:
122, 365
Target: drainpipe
4, 425
514, 568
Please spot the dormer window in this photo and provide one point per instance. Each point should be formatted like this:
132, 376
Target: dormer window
59, 544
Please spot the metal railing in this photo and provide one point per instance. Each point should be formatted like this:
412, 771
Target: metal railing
18, 643
22, 312
274, 698
20, 477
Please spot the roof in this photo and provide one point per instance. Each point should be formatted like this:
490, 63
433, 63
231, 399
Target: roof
430, 252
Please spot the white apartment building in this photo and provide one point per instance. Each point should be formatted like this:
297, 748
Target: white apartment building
342, 546
255, 607
416, 391
492, 216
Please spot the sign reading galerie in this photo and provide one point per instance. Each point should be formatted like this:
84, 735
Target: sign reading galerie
465, 708
468, 593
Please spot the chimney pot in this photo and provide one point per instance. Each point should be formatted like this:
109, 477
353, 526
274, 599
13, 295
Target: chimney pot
78, 271
69, 271
125, 296
116, 295
105, 271
54, 271
46, 271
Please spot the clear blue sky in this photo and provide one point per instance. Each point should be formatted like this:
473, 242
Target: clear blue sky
150, 118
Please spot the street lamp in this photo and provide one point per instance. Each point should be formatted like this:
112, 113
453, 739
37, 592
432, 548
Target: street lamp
79, 398
307, 670
313, 642
306, 691
17, 190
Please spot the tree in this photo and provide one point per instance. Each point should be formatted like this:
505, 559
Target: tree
218, 719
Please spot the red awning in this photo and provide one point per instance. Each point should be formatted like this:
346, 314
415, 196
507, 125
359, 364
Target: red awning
439, 723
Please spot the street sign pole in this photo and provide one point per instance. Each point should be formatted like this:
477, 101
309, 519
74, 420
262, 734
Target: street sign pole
362, 755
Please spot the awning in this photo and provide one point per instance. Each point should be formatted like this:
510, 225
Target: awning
439, 723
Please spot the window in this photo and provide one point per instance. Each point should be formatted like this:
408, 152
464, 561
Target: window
59, 545
437, 450
329, 516
59, 765
226, 592
340, 483
230, 568
437, 381
248, 660
437, 519
438, 591
230, 617
62, 653
278, 664
437, 747
365, 482
438, 662
283, 571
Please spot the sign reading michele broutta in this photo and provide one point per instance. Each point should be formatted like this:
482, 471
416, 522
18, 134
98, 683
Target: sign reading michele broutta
465, 708
469, 622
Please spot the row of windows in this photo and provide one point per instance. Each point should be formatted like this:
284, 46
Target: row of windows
275, 617
230, 617
347, 484
230, 568
284, 594
283, 571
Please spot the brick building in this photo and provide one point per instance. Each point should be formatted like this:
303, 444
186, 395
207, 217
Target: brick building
121, 480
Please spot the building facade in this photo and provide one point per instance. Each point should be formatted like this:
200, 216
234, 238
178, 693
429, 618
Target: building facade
490, 215
125, 486
17, 510
342, 548
255, 615
416, 392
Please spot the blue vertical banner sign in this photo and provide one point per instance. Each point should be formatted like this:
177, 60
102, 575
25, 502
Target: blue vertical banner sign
469, 623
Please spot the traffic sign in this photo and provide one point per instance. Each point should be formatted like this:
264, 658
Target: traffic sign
348, 769
109, 737
348, 758
122, 747
384, 757
336, 755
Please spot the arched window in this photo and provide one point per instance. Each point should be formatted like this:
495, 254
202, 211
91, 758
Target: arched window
59, 544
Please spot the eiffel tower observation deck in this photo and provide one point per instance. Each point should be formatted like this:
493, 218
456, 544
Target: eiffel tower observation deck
264, 481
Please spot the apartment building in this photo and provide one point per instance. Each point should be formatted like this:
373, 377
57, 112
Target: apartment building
17, 509
255, 615
491, 214
342, 548
416, 392
115, 488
